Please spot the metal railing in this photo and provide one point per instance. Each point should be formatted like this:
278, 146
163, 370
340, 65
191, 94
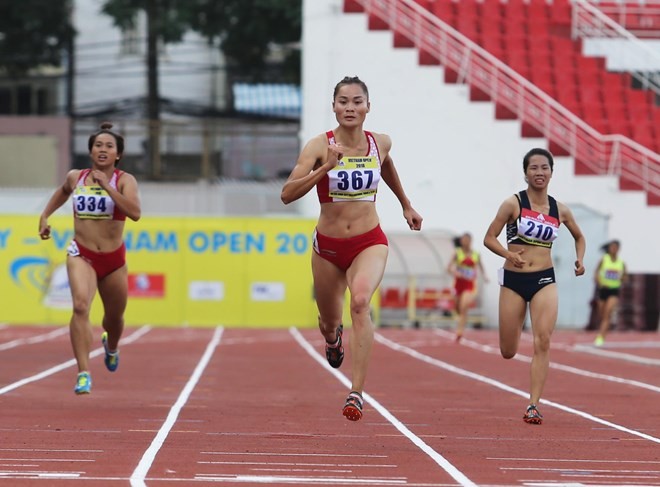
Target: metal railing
642, 19
602, 154
590, 22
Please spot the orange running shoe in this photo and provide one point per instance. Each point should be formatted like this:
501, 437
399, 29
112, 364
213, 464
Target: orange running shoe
353, 406
532, 415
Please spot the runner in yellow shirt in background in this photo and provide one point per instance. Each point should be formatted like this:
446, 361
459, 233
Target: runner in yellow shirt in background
610, 275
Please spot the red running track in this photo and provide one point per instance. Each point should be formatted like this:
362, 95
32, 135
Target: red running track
194, 406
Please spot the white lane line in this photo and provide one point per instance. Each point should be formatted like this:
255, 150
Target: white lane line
577, 471
140, 473
570, 460
45, 460
276, 479
280, 454
537, 483
51, 450
69, 363
554, 365
35, 339
530, 439
306, 470
38, 475
500, 385
595, 480
603, 351
622, 345
300, 464
532, 483
456, 474
616, 355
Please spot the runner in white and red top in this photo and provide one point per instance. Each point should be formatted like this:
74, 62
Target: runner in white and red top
350, 249
102, 198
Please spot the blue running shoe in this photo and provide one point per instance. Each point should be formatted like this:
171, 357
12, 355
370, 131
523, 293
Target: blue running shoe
83, 383
111, 358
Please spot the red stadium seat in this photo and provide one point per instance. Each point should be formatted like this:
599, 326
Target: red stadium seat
467, 8
515, 42
542, 75
594, 65
541, 59
560, 13
490, 12
467, 26
425, 4
612, 81
427, 298
644, 134
637, 97
568, 95
620, 125
444, 10
601, 125
393, 298
516, 8
565, 76
516, 55
513, 24
538, 12
588, 72
492, 44
538, 42
574, 107
590, 93
491, 31
640, 113
593, 113
544, 83
564, 46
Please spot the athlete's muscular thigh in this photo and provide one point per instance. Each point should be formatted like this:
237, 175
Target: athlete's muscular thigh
512, 310
113, 290
82, 281
366, 271
329, 288
543, 313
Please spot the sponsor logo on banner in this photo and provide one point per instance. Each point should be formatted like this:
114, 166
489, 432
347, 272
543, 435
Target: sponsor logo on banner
146, 285
58, 293
206, 291
267, 291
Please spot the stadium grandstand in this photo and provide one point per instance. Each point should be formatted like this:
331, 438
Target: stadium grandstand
466, 87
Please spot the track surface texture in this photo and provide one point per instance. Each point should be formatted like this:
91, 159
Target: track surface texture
208, 406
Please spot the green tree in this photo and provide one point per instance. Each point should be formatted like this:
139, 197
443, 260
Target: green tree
33, 33
247, 30
244, 29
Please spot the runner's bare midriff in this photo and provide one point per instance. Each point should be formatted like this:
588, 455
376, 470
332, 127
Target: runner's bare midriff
347, 219
99, 236
536, 258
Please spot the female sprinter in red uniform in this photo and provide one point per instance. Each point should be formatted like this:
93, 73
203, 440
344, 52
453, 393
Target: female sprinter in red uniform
350, 249
103, 197
532, 220
463, 267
